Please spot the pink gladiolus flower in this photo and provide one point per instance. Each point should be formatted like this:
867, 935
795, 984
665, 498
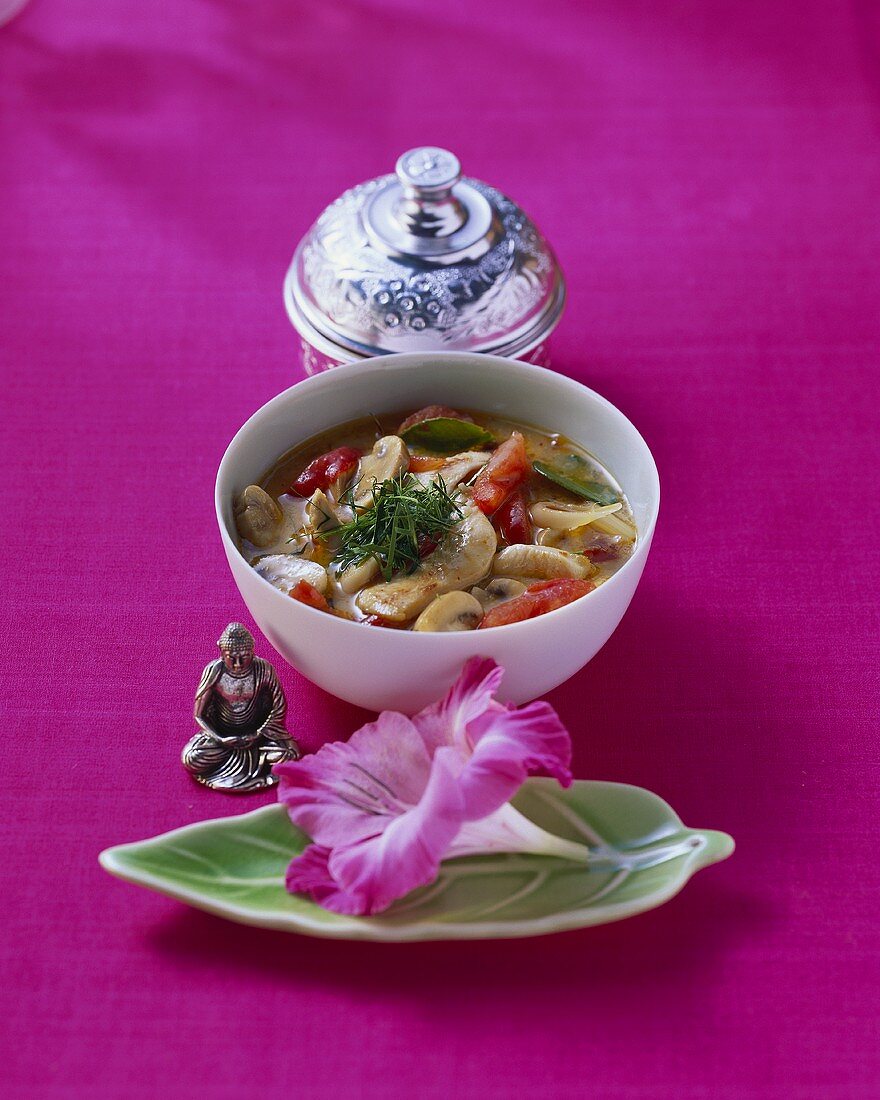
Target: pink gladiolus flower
384, 808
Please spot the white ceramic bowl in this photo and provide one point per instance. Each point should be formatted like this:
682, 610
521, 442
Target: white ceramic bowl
383, 669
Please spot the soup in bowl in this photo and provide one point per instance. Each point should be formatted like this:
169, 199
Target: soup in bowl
390, 519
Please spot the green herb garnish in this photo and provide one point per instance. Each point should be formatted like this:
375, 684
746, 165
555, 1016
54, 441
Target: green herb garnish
395, 527
589, 490
446, 435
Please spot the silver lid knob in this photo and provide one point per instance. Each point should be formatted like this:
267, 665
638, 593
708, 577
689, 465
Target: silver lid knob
427, 210
427, 205
428, 171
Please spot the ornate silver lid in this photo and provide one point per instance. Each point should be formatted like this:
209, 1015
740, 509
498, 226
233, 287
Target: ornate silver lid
424, 259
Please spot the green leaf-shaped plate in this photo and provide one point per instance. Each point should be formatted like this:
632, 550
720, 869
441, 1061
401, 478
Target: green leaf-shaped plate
642, 856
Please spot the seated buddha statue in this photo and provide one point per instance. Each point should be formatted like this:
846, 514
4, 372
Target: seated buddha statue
240, 708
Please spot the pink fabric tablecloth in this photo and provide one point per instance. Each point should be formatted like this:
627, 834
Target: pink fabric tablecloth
709, 174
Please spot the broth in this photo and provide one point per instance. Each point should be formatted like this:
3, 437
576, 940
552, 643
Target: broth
458, 503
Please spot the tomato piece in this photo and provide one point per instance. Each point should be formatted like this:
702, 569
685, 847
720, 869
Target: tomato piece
322, 471
306, 593
538, 599
512, 519
377, 620
556, 583
505, 471
603, 548
431, 412
427, 545
424, 464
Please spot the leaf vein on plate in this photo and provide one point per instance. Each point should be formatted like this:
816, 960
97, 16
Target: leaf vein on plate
578, 824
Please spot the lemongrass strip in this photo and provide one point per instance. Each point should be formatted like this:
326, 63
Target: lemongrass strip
616, 525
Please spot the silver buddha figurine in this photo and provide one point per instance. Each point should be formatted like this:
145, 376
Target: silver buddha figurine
240, 707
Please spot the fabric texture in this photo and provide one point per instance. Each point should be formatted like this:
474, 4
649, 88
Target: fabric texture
709, 175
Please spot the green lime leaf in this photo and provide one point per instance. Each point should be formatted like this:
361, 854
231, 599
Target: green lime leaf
446, 436
590, 490
641, 855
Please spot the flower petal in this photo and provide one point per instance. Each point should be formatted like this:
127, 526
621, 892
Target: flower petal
499, 747
407, 854
509, 746
384, 809
309, 874
351, 790
446, 721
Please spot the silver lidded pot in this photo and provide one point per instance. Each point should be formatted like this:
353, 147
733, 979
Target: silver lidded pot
423, 260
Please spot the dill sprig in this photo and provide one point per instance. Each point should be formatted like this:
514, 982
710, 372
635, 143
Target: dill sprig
393, 529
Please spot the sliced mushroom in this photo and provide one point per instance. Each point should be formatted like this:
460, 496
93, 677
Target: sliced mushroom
540, 562
389, 458
568, 517
322, 517
498, 590
457, 469
357, 576
258, 516
338, 487
286, 570
461, 559
452, 611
